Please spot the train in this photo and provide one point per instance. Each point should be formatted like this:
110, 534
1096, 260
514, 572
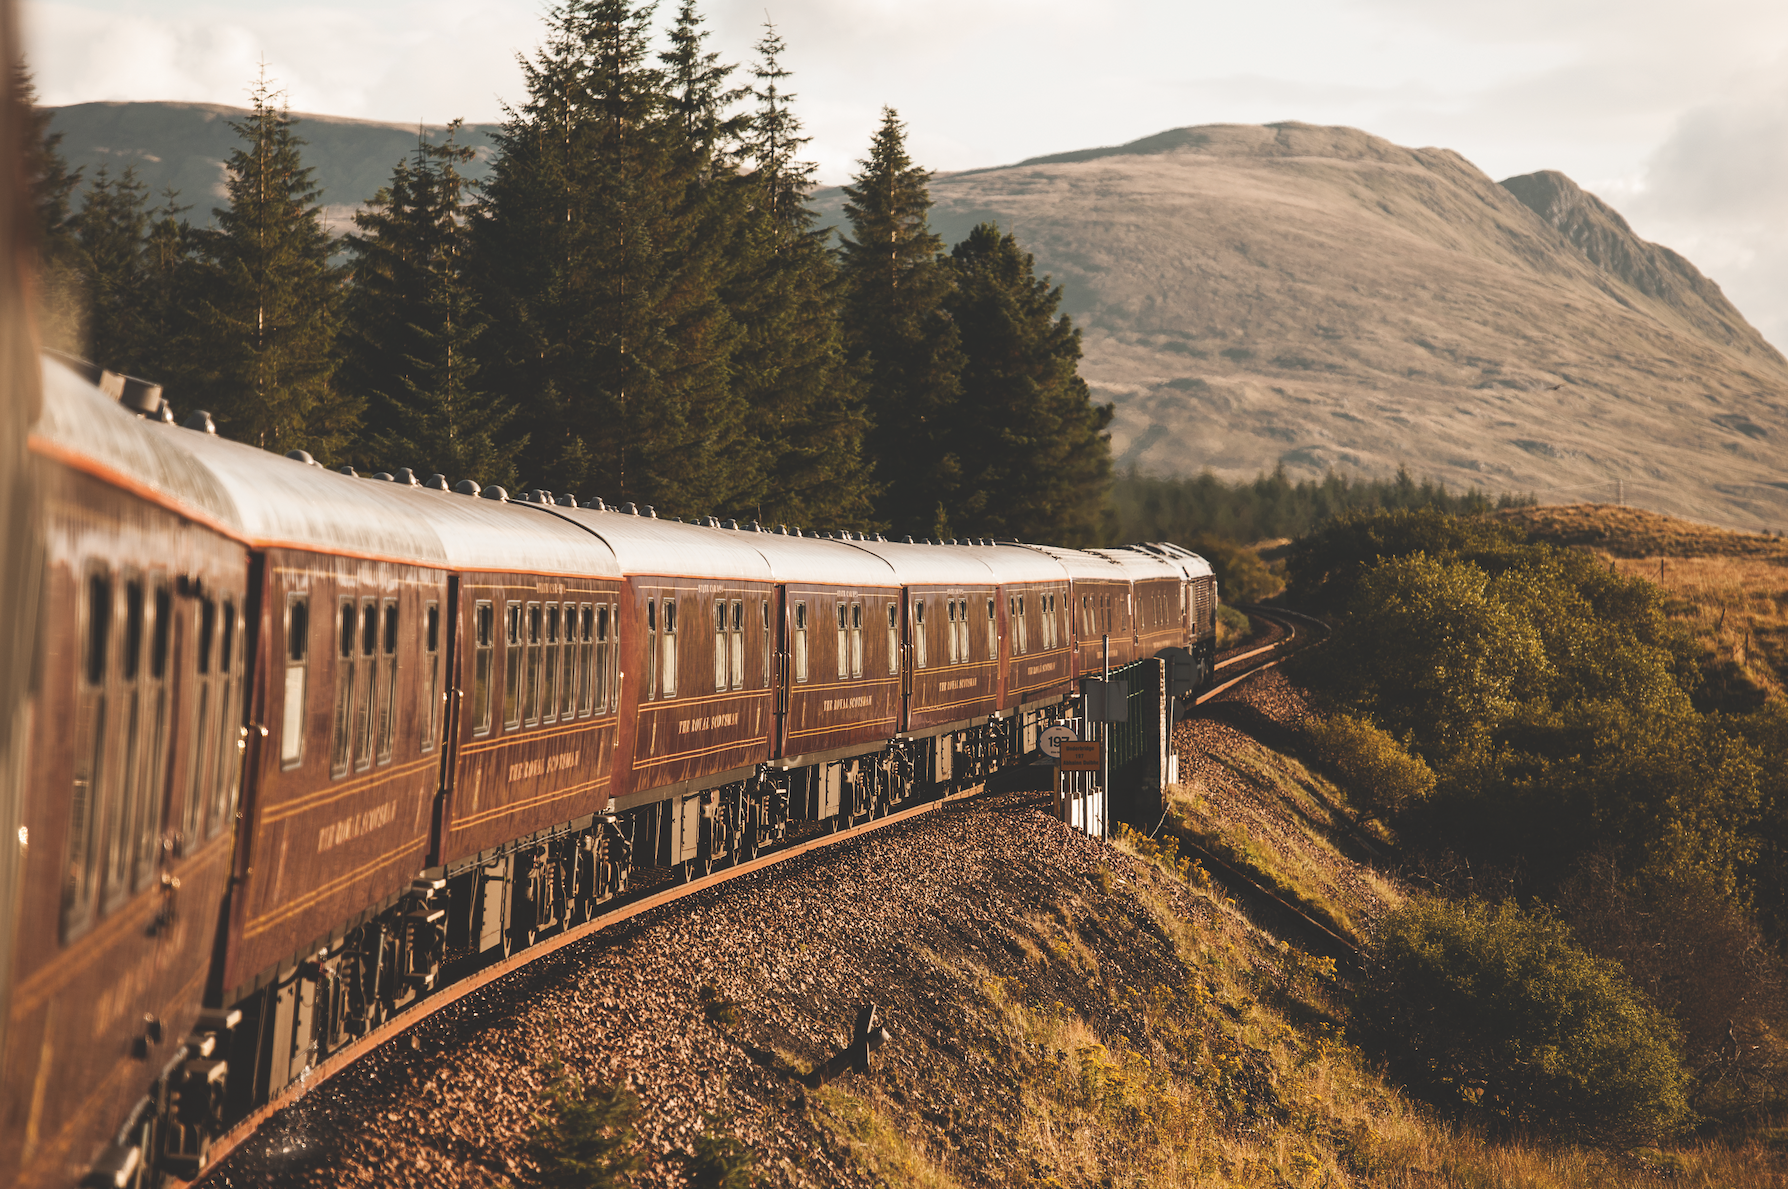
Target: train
303, 745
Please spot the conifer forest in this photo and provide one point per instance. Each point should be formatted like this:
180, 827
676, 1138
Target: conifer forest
636, 304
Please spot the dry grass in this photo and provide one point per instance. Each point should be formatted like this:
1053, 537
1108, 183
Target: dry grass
1728, 589
1628, 532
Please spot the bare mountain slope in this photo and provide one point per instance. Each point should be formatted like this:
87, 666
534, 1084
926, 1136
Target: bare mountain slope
1320, 297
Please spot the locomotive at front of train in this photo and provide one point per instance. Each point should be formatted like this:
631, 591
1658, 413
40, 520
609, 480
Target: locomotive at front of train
110, 1066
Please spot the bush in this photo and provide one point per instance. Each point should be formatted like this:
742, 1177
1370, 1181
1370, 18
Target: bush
1232, 625
1379, 774
1500, 1011
586, 1141
1241, 576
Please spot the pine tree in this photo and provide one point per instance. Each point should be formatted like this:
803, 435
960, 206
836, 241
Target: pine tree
899, 331
268, 310
169, 331
599, 253
587, 1139
414, 323
51, 186
1042, 467
112, 233
806, 407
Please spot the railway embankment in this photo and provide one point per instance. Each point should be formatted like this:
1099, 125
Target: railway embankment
1059, 1012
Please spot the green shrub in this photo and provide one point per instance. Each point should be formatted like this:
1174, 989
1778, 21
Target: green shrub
720, 1159
1379, 774
1500, 1011
586, 1140
1232, 625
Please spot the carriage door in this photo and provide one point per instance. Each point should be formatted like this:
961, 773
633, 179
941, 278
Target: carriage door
776, 645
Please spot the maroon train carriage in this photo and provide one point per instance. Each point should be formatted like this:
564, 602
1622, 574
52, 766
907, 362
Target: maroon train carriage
306, 744
1198, 612
130, 796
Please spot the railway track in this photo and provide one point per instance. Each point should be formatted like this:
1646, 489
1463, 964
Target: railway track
396, 1028
1288, 638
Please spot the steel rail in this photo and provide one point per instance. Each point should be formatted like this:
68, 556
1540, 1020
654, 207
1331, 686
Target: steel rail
1285, 646
407, 1019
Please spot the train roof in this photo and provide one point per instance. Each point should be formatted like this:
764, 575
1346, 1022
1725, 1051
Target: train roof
1188, 562
1082, 565
1015, 563
930, 565
1139, 565
649, 545
82, 427
283, 502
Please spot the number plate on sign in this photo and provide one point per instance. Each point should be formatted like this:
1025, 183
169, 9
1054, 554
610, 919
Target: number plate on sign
1079, 757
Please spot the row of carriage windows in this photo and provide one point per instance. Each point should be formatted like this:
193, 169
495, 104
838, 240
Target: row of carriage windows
558, 662
150, 660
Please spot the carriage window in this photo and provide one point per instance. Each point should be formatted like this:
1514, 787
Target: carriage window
484, 623
856, 639
668, 642
230, 731
738, 644
157, 708
291, 727
893, 637
531, 694
720, 645
1024, 635
651, 648
81, 875
431, 676
368, 679
118, 804
951, 605
341, 732
919, 633
800, 641
594, 695
549, 696
1012, 636
574, 662
388, 704
962, 630
843, 643
765, 607
993, 632
512, 665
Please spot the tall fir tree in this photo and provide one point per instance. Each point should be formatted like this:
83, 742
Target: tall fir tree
268, 310
1041, 469
806, 405
900, 332
598, 249
412, 327
171, 273
112, 232
52, 187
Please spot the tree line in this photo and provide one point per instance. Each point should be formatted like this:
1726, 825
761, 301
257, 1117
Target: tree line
636, 304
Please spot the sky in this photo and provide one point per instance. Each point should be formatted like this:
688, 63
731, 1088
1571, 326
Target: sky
1675, 112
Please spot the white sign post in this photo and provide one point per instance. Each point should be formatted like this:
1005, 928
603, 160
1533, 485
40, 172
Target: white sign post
1049, 742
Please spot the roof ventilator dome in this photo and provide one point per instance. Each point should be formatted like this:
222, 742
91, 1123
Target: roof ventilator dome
754, 527
350, 472
493, 492
406, 476
201, 421
139, 396
649, 512
627, 509
436, 482
302, 456
467, 487
384, 477
732, 524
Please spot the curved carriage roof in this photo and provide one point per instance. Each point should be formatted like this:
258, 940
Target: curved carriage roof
1188, 562
664, 548
1016, 563
1141, 565
929, 565
1082, 565
83, 427
284, 502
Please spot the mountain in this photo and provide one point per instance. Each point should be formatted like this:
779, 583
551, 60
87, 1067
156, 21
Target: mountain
1318, 297
184, 145
1295, 295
